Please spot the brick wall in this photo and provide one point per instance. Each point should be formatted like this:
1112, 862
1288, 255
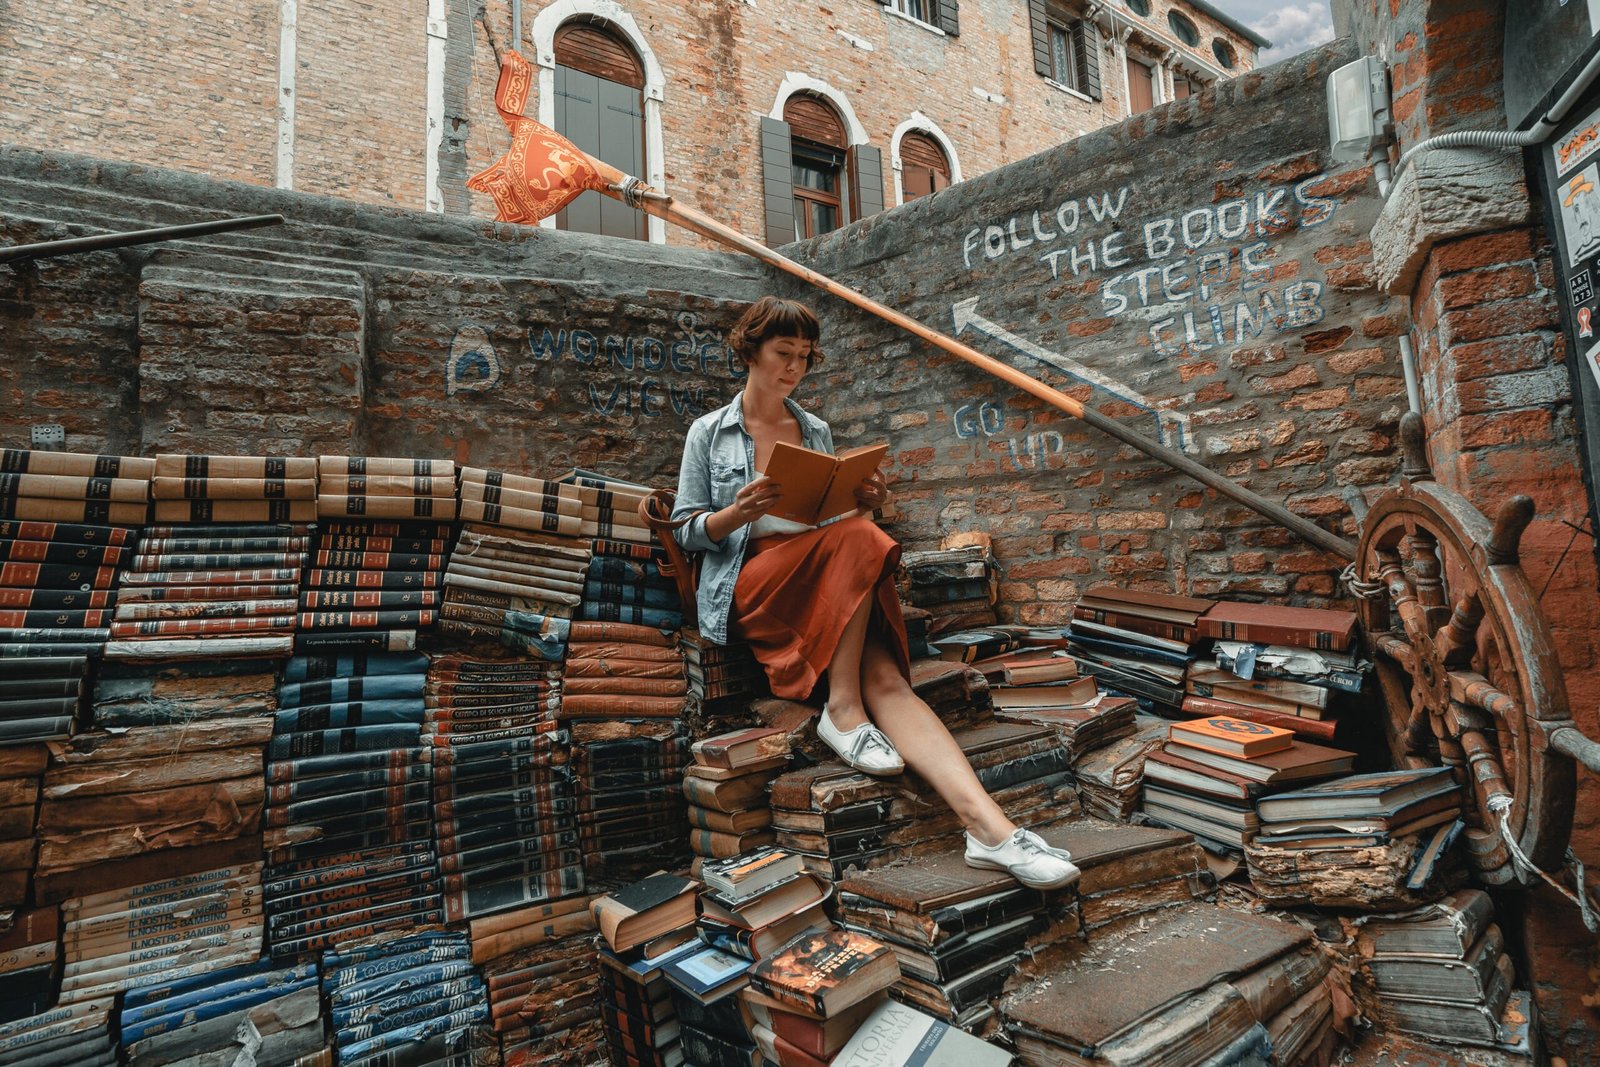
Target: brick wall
1497, 396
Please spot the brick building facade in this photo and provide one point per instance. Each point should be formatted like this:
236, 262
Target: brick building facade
393, 104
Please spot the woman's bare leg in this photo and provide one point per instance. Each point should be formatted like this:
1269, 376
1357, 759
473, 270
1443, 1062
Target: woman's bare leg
846, 708
926, 745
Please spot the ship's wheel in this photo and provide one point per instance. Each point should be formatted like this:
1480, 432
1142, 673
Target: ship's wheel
1467, 667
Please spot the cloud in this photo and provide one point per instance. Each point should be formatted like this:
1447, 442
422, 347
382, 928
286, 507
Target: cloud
1293, 28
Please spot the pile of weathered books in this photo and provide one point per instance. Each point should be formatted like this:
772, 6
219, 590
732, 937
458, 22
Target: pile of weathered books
838, 819
417, 993
726, 790
373, 583
1368, 840
723, 679
1137, 642
1043, 685
248, 1012
505, 796
644, 925
1208, 776
29, 952
118, 806
21, 776
350, 824
1241, 691
756, 903
1442, 972
540, 967
510, 582
1110, 777
955, 583
1225, 987
70, 1036
137, 937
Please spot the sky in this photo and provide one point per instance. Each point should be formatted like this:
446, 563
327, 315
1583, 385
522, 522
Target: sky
1291, 27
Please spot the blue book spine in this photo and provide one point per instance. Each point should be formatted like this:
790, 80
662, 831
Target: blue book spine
357, 965
211, 1009
348, 1038
660, 618
408, 1034
357, 739
353, 664
460, 989
339, 690
203, 982
617, 569
630, 594
1130, 650
147, 1007
383, 986
353, 713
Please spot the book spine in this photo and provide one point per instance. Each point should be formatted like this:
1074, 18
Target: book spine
1136, 624
15, 461
56, 576
201, 609
521, 518
252, 624
251, 511
223, 540
93, 618
181, 466
210, 533
387, 507
273, 577
366, 620
348, 715
326, 578
389, 466
166, 488
65, 533
378, 561
342, 640
329, 690
355, 739
61, 552
232, 561
1264, 633
309, 668
375, 599
1315, 729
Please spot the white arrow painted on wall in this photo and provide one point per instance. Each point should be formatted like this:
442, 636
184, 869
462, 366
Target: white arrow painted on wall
1167, 422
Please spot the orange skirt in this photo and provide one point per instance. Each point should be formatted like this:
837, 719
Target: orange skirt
796, 593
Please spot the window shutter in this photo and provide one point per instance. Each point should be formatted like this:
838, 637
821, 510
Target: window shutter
1039, 28
947, 19
777, 180
1086, 43
866, 181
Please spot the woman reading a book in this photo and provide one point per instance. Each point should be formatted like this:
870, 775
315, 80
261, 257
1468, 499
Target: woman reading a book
820, 600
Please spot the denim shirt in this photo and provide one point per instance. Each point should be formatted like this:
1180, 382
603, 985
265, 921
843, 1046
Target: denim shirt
718, 461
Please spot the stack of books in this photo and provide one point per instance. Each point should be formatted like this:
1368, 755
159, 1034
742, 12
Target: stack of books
140, 936
504, 792
917, 622
1341, 672
756, 903
1137, 642
837, 819
513, 587
1227, 987
1083, 728
957, 586
147, 796
540, 967
29, 953
173, 692
647, 926
733, 769
349, 821
79, 1035
1211, 771
21, 776
234, 489
622, 671
1379, 841
1110, 777
1128, 871
417, 994
211, 592
57, 599
357, 488
74, 487
372, 585
624, 584
821, 977
723, 679
958, 932
905, 1035
1441, 971
631, 802
209, 1017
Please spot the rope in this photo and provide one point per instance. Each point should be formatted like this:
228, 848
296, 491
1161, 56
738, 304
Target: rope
1359, 589
1500, 806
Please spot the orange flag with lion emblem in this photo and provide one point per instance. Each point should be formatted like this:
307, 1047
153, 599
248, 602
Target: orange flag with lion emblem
542, 172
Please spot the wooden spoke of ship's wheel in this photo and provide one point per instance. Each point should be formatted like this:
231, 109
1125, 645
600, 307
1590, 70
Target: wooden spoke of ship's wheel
1418, 736
1420, 551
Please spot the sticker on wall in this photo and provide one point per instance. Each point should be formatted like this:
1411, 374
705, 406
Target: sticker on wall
473, 366
1579, 197
1592, 360
1578, 146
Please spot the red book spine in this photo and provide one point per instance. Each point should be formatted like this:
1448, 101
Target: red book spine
1136, 624
28, 574
240, 577
24, 598
255, 624
66, 533
1266, 632
1314, 729
46, 618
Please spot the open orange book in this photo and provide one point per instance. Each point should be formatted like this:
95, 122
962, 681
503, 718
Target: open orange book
816, 486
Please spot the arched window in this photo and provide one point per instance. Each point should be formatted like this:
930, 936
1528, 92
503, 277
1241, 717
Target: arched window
818, 143
599, 106
1225, 53
1139, 7
923, 166
1184, 27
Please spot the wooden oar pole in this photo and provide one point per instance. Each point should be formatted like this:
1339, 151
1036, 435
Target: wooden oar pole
664, 207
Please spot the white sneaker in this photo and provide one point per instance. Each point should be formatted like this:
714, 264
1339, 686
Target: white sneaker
865, 748
1027, 858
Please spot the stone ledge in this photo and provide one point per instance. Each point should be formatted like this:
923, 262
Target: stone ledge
1446, 194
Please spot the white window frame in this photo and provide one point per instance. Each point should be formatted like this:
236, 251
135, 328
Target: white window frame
919, 123
898, 7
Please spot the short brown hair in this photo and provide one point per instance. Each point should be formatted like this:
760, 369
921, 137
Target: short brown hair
772, 317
